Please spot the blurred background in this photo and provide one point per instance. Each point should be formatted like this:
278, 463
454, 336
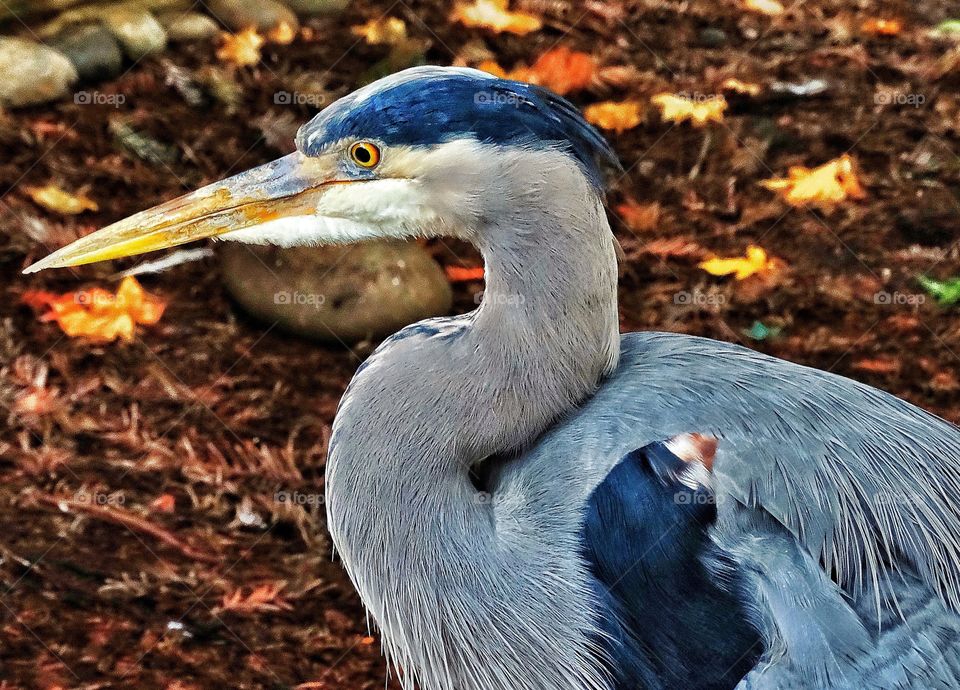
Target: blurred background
790, 183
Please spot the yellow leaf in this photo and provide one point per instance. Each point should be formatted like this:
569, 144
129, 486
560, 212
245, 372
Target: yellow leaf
771, 8
616, 116
677, 109
755, 261
385, 31
829, 184
494, 15
53, 198
743, 87
242, 48
98, 314
282, 34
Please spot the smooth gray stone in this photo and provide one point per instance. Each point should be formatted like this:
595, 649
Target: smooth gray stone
92, 49
261, 14
188, 26
32, 73
312, 7
337, 294
138, 31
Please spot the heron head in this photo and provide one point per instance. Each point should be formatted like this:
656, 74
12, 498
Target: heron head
418, 153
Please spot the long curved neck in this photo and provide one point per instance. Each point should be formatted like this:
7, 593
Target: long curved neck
422, 546
547, 328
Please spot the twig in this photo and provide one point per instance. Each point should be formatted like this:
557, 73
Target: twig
704, 149
130, 521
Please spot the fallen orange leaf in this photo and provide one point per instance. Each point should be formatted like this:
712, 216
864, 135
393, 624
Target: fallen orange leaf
830, 183
494, 68
459, 274
639, 217
755, 261
563, 70
771, 8
677, 109
267, 597
165, 503
55, 199
494, 15
616, 116
97, 313
242, 48
882, 27
879, 365
673, 248
383, 31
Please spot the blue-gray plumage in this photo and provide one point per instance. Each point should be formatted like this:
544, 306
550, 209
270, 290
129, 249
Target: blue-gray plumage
509, 489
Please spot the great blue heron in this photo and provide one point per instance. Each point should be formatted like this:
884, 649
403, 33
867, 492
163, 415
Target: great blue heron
517, 493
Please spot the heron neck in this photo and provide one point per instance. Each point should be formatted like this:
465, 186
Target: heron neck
420, 542
547, 329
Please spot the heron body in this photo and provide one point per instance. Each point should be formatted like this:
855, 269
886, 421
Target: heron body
500, 485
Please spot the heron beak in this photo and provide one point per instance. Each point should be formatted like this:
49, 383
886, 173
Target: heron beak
286, 187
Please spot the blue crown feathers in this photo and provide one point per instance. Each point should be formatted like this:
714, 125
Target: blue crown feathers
422, 106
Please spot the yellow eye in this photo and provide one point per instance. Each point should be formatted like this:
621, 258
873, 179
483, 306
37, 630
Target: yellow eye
365, 154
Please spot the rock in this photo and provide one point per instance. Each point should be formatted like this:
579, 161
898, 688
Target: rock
92, 49
138, 31
336, 294
712, 37
312, 7
188, 26
32, 73
21, 9
261, 14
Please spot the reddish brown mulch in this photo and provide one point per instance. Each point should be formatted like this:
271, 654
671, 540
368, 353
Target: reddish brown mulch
234, 588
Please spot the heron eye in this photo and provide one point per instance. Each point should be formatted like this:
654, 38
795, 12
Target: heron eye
365, 154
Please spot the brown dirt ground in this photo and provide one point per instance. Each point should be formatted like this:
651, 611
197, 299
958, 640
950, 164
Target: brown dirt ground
220, 413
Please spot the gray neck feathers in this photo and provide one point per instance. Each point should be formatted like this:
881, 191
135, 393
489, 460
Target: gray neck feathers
469, 592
